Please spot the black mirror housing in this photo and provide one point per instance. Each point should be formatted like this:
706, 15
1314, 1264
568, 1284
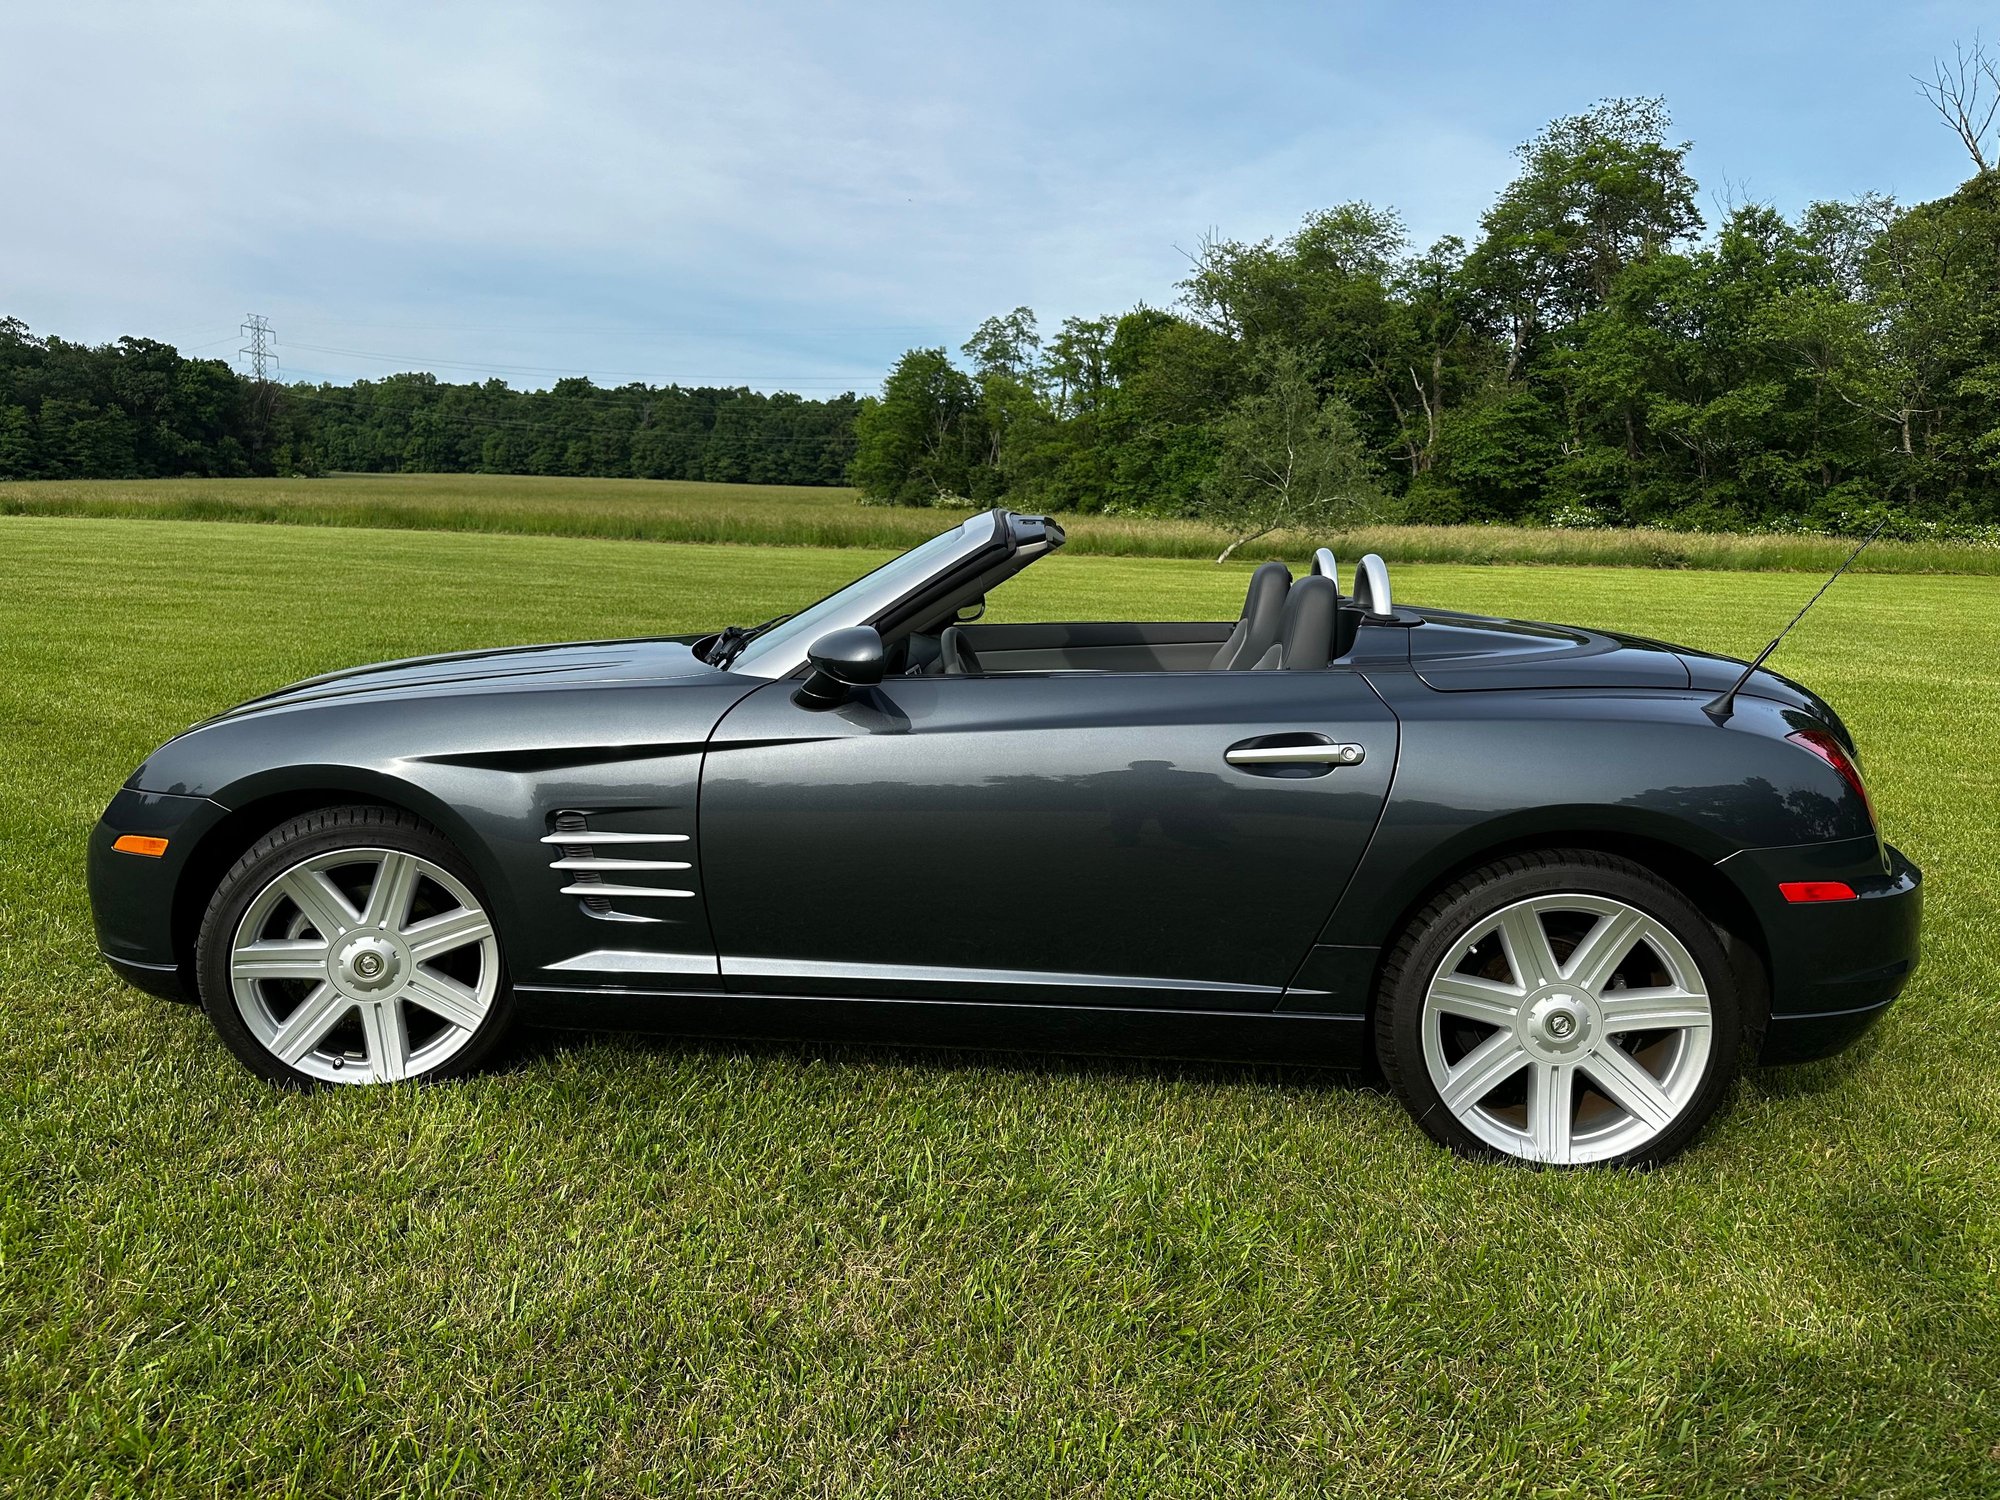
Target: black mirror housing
841, 661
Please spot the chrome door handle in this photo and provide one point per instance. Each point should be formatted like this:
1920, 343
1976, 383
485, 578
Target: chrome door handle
1296, 755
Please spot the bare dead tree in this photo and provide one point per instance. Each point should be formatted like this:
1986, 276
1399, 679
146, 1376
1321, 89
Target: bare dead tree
1966, 94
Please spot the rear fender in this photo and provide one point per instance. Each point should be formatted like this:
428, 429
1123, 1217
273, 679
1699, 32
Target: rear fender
1482, 772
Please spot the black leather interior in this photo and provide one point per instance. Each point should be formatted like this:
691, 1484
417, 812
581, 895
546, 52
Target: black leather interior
952, 652
1303, 625
1258, 627
1312, 616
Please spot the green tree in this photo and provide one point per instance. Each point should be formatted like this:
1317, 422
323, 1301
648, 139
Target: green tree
1933, 277
1596, 192
1289, 458
1439, 351
18, 459
1055, 452
1327, 288
925, 438
1004, 345
1171, 378
1004, 353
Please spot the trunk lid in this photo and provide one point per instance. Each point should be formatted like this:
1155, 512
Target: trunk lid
1458, 653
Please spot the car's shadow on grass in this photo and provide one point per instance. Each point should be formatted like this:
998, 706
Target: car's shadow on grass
536, 1045
1808, 1080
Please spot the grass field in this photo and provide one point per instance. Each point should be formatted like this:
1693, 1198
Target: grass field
774, 515
624, 1267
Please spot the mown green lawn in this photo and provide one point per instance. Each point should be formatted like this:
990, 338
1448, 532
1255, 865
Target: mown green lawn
636, 1267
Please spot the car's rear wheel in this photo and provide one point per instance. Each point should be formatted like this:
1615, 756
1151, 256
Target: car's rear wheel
352, 945
1565, 1008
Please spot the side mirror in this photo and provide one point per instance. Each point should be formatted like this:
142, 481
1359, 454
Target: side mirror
841, 660
967, 613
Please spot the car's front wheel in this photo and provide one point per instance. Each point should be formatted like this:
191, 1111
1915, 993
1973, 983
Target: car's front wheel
352, 945
1564, 1008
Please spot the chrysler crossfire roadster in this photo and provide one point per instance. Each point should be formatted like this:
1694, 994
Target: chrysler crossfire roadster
1528, 870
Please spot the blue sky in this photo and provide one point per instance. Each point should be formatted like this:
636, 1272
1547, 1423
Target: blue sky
787, 196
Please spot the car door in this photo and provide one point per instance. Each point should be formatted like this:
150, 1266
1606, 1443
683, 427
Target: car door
1157, 839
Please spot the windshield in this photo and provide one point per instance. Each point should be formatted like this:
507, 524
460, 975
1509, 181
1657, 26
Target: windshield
866, 597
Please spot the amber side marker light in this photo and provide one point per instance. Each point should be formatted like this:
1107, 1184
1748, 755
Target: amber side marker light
1797, 891
138, 843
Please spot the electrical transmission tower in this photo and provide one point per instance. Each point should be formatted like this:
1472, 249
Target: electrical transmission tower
263, 363
261, 335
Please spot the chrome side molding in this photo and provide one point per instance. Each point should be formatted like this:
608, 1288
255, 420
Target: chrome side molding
584, 836
624, 961
600, 862
603, 888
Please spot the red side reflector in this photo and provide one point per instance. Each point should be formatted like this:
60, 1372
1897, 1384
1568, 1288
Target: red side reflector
138, 843
1816, 890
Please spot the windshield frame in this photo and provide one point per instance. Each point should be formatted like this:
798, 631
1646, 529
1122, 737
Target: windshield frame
781, 650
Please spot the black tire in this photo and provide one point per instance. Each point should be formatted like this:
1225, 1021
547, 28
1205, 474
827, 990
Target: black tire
1456, 912
327, 831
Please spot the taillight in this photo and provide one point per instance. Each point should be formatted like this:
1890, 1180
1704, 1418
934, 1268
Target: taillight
1830, 750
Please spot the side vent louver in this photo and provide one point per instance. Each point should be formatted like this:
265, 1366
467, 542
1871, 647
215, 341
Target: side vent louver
600, 866
576, 822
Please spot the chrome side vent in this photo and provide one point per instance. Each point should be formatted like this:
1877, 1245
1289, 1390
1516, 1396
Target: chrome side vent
576, 822
600, 865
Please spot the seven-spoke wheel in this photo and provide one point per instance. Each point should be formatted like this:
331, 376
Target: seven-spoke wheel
351, 947
1561, 1009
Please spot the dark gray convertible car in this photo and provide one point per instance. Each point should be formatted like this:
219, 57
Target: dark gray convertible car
1534, 870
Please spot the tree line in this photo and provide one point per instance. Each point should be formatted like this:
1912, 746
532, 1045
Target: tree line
137, 408
1595, 354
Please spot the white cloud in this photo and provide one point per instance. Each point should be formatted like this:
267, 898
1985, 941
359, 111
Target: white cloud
783, 194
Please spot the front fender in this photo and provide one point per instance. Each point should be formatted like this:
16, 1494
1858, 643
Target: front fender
490, 770
331, 782
145, 908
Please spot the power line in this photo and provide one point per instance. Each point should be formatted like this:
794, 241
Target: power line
641, 329
408, 360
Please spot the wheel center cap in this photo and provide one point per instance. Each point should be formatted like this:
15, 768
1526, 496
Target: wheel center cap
1559, 1022
368, 963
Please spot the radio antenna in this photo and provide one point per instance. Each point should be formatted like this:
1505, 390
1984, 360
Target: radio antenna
1720, 707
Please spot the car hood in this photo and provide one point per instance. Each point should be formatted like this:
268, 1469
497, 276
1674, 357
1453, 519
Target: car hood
513, 669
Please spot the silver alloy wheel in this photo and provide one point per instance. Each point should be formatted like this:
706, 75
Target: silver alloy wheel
364, 966
1567, 1028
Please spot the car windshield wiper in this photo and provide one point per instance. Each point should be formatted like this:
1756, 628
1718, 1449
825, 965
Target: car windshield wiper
729, 643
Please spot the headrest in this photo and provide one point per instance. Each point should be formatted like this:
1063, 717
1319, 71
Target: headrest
1256, 632
1264, 609
1310, 611
1267, 587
